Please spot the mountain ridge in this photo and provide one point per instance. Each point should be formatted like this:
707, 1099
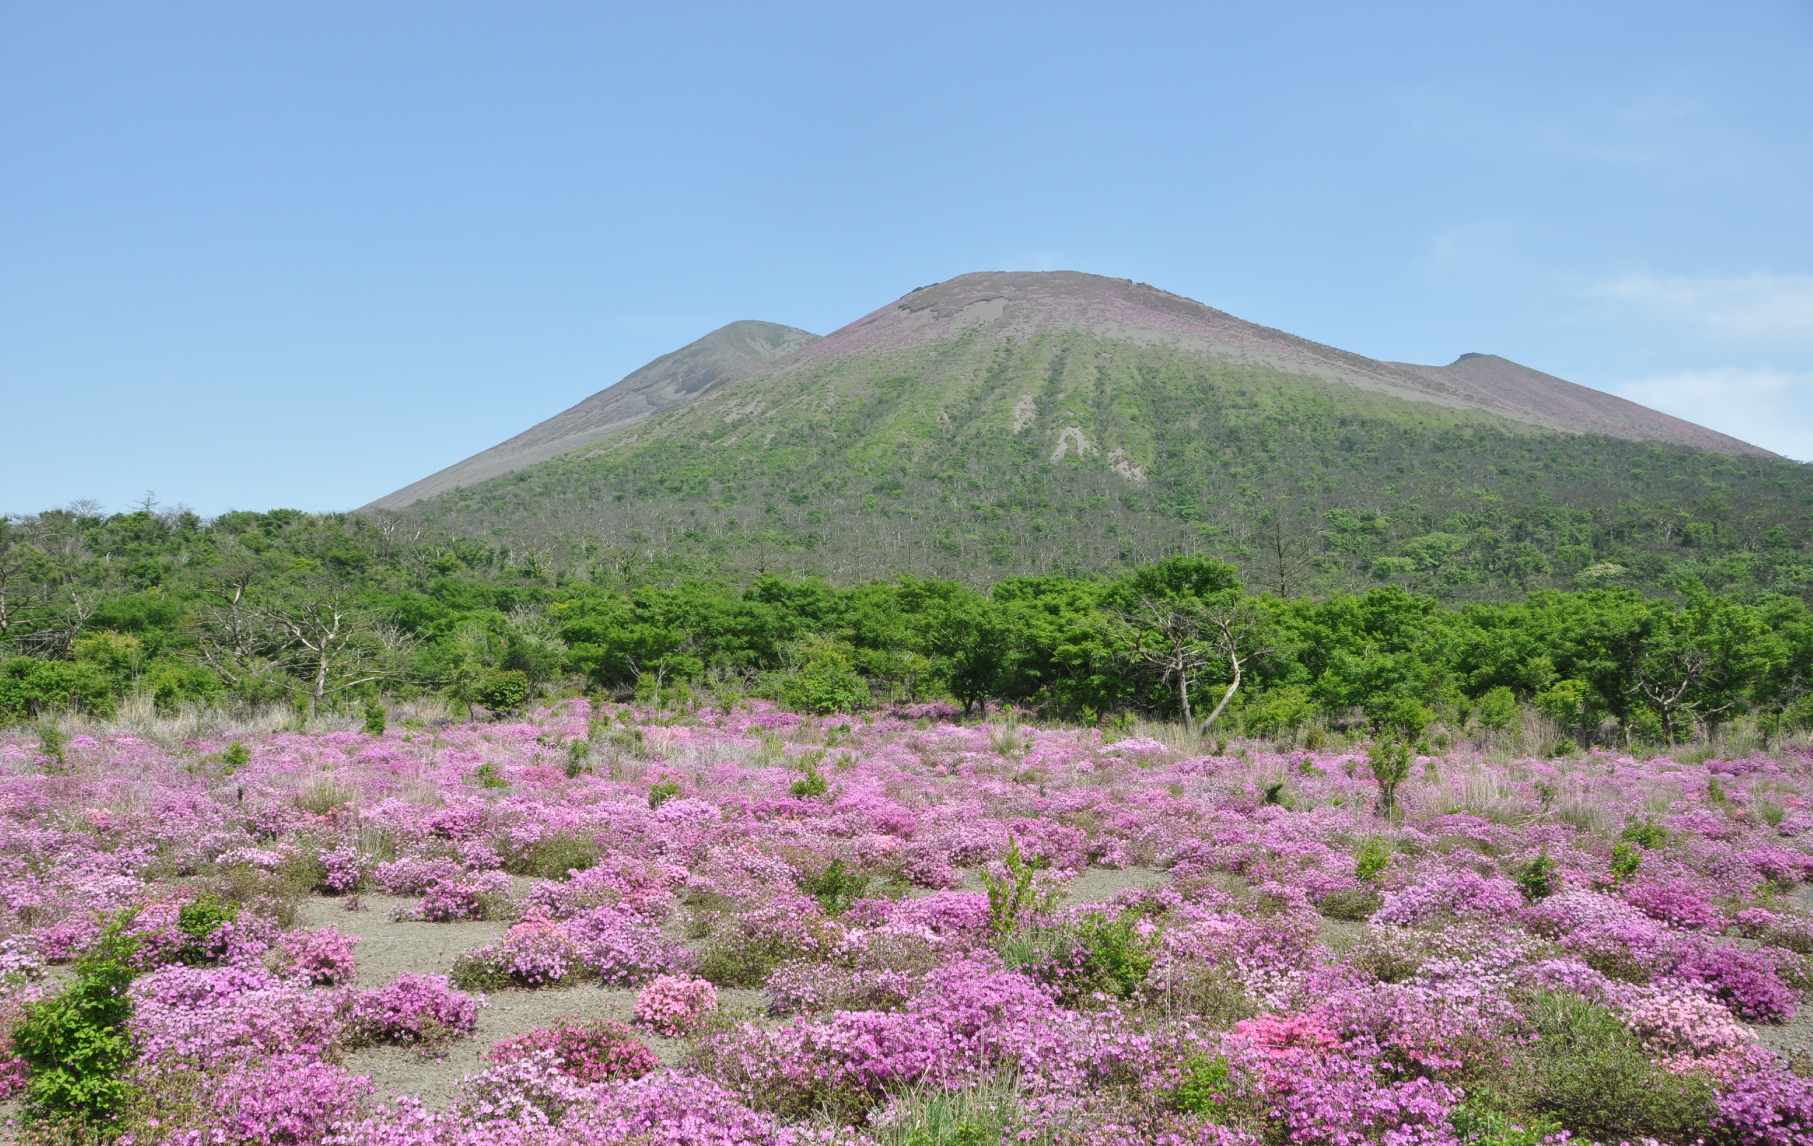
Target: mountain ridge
1001, 424
676, 377
1008, 304
1018, 302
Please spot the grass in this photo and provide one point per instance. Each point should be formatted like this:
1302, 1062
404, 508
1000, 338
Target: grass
930, 1116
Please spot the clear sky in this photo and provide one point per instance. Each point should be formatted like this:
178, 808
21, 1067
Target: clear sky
261, 255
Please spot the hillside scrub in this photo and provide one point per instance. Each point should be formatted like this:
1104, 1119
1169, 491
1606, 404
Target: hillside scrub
1607, 946
342, 615
925, 463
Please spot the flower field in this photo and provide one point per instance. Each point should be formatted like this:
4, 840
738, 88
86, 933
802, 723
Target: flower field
960, 934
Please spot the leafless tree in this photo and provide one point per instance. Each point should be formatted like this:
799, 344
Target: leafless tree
16, 588
56, 639
1286, 560
228, 636
316, 640
325, 639
1239, 632
1180, 638
1666, 677
1169, 638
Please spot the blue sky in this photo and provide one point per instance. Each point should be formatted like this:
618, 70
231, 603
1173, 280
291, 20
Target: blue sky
301, 255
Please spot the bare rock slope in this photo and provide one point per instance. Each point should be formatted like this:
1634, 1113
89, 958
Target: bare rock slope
726, 353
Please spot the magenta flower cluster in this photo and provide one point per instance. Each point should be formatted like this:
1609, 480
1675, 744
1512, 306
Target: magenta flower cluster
673, 1006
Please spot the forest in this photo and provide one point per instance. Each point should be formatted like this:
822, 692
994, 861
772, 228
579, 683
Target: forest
343, 613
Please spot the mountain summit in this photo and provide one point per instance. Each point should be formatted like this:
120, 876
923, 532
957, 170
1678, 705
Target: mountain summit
1006, 305
726, 353
1023, 423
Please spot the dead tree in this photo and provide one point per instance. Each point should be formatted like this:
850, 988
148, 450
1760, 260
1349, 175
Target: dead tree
1178, 638
1238, 633
1289, 558
325, 639
229, 637
1666, 677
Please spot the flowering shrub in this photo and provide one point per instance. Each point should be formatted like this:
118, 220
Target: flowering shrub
597, 1051
673, 1007
210, 1016
621, 949
413, 1009
413, 875
1746, 981
1685, 1028
323, 956
484, 895
343, 870
284, 1101
535, 952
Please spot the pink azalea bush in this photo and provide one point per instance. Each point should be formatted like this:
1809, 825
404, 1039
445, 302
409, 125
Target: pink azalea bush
414, 1008
322, 956
673, 1006
598, 1051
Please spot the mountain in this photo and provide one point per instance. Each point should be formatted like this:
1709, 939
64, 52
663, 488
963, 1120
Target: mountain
726, 353
1021, 423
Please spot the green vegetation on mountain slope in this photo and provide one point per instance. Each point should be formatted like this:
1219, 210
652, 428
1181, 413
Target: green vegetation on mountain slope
1073, 454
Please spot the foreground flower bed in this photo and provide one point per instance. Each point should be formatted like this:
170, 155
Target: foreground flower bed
1529, 949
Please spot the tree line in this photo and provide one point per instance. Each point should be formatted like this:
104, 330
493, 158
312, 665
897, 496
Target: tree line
335, 611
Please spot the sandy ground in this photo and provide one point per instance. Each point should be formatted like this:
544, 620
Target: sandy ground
388, 948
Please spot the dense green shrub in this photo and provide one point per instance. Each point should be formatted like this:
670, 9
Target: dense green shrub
1372, 859
172, 684
75, 1045
504, 691
661, 792
1647, 835
1205, 1087
835, 888
1496, 709
1098, 954
828, 683
199, 920
31, 687
1536, 879
1587, 1072
811, 786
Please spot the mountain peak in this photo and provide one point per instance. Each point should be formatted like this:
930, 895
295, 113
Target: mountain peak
726, 353
1016, 306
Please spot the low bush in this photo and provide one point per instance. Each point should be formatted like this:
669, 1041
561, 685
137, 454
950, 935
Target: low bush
1352, 905
1586, 1071
322, 956
1097, 954
673, 1006
415, 1009
835, 888
553, 856
595, 1051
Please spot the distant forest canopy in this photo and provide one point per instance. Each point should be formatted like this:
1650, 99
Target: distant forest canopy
340, 611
